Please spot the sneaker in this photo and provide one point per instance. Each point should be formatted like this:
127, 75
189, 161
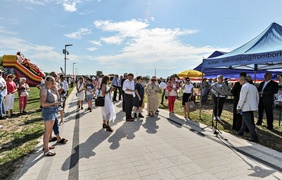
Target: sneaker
219, 118
81, 107
214, 118
135, 115
90, 110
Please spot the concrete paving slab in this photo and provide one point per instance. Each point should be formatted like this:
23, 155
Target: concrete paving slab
161, 147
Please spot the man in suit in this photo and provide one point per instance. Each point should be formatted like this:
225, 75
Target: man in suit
237, 117
248, 102
267, 89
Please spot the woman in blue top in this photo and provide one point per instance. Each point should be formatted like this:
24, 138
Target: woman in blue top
138, 99
49, 96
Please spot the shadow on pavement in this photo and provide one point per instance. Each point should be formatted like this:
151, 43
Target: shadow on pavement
85, 150
127, 130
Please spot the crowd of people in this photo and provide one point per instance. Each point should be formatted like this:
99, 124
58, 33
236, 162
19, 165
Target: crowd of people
247, 98
132, 91
8, 91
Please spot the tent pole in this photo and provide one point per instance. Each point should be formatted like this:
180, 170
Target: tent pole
200, 112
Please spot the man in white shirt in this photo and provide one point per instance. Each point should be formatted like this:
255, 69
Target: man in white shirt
3, 93
248, 102
129, 93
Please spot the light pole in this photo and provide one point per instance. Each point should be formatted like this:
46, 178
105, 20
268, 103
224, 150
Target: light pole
73, 70
66, 53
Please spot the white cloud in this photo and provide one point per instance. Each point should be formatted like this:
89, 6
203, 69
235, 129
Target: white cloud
160, 47
98, 43
78, 34
92, 49
112, 40
70, 5
5, 31
38, 2
38, 54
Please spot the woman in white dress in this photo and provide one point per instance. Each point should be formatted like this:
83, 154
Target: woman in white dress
108, 110
80, 87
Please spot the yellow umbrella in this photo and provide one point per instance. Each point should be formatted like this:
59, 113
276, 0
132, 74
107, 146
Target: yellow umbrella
190, 73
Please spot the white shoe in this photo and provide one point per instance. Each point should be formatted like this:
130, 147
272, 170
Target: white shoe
218, 118
214, 118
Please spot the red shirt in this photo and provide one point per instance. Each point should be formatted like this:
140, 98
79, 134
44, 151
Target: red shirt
11, 86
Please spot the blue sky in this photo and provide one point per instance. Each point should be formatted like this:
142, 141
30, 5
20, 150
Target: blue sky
138, 36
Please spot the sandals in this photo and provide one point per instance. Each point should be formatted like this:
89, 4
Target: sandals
50, 147
53, 139
62, 141
49, 153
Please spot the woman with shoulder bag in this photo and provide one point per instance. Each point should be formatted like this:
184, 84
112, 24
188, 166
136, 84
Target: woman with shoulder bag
187, 96
108, 110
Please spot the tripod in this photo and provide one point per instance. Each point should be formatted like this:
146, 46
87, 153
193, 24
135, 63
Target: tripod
214, 127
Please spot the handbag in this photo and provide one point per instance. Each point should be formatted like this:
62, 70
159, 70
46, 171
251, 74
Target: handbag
143, 105
100, 101
190, 106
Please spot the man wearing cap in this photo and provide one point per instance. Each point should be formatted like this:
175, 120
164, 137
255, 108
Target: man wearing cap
3, 92
129, 93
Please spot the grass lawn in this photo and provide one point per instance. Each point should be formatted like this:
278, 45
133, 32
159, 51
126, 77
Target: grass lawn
271, 139
20, 135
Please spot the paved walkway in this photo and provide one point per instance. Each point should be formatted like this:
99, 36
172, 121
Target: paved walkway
163, 147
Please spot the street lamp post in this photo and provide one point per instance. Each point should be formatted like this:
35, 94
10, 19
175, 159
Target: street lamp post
66, 53
73, 70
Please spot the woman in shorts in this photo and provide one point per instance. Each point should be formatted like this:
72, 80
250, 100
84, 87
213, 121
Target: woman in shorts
90, 89
49, 100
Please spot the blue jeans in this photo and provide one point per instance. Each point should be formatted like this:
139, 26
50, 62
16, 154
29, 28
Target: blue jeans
2, 107
247, 121
56, 126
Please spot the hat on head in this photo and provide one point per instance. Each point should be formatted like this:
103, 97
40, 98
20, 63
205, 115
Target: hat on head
153, 78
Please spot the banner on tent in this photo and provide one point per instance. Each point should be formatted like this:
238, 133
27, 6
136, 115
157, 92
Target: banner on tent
243, 59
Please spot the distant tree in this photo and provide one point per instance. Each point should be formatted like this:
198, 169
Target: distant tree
99, 73
146, 78
1, 61
175, 75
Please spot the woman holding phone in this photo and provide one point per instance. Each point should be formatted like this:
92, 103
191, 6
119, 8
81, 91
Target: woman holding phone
49, 96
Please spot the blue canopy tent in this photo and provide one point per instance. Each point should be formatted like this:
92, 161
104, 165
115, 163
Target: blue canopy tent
259, 55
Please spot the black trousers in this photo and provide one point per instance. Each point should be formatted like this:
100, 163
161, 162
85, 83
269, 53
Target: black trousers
128, 102
115, 93
218, 105
268, 111
247, 122
119, 93
163, 95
